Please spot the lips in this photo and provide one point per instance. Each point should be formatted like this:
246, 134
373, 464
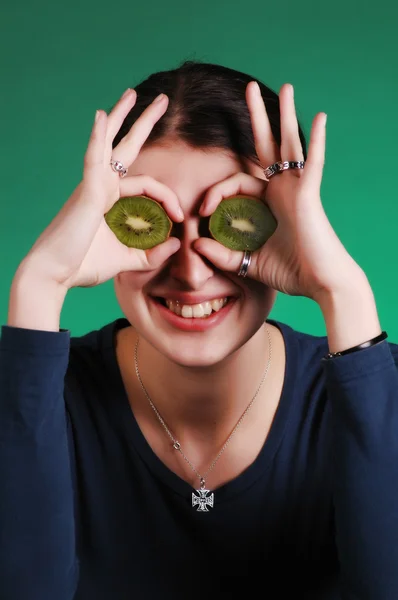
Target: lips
189, 322
196, 311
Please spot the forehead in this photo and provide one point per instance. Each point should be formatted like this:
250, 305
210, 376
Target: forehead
189, 172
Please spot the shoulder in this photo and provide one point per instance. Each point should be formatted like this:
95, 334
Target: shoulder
305, 350
94, 349
310, 341
302, 347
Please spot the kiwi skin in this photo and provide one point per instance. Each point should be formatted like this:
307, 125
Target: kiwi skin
261, 223
152, 222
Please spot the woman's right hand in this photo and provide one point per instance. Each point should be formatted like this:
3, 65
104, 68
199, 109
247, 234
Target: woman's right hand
78, 249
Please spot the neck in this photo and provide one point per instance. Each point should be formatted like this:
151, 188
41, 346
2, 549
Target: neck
210, 399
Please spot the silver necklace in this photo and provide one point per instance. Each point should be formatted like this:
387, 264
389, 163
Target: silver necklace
203, 497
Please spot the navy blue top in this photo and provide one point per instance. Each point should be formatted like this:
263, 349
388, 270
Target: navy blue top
89, 512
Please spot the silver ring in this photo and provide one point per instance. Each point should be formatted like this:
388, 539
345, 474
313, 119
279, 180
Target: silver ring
245, 264
118, 167
280, 166
296, 164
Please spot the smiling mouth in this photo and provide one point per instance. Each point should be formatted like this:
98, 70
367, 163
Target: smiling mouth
195, 311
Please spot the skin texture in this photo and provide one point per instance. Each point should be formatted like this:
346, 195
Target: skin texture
201, 382
190, 173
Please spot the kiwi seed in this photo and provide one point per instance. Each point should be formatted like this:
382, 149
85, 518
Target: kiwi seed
242, 223
139, 222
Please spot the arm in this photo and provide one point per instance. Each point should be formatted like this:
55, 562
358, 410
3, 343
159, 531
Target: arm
37, 530
363, 392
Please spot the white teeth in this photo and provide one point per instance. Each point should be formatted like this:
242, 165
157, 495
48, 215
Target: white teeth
174, 307
217, 304
197, 311
207, 308
187, 312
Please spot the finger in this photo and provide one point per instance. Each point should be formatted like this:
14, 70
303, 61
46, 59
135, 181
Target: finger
241, 183
266, 146
316, 151
119, 113
129, 147
223, 258
147, 186
94, 155
148, 260
291, 148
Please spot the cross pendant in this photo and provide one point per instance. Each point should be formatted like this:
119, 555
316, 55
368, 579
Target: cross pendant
203, 499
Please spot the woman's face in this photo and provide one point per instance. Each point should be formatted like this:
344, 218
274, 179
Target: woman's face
149, 300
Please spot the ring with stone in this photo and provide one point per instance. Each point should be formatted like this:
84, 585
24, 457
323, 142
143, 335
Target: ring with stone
118, 167
280, 166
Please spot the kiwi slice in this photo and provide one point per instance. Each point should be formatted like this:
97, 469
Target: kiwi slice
139, 222
242, 223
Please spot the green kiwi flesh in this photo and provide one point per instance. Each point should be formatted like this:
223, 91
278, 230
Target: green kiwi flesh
242, 223
139, 222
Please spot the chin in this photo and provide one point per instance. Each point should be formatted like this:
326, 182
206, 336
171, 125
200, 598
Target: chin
191, 351
196, 329
198, 345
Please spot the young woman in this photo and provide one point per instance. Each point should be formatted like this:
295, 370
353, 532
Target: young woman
195, 447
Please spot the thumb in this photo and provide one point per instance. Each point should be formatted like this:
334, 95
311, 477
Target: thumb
223, 258
148, 260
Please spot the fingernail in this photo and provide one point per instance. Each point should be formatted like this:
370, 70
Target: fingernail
97, 116
180, 212
257, 88
326, 118
126, 92
175, 244
159, 98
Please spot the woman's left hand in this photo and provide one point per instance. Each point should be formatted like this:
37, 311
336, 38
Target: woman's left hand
304, 256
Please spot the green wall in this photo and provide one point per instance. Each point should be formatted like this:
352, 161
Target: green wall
60, 62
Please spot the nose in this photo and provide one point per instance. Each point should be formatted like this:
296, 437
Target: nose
187, 266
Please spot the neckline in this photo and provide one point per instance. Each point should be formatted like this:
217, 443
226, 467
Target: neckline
125, 420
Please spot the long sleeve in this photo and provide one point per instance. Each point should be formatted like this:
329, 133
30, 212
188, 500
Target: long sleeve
362, 388
37, 530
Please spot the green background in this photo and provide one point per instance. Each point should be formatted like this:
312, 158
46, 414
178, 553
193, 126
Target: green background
60, 62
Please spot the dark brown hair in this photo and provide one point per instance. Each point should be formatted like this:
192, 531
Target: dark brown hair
207, 108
